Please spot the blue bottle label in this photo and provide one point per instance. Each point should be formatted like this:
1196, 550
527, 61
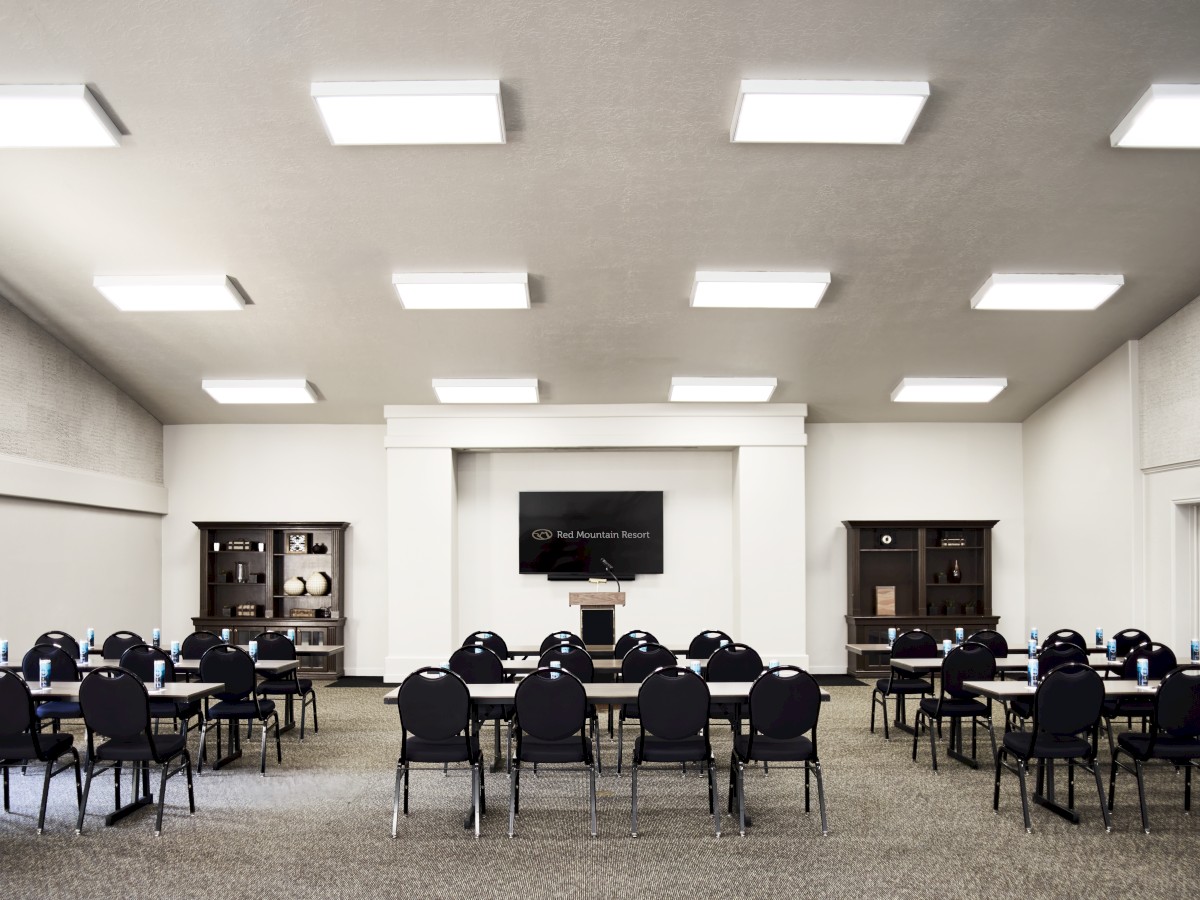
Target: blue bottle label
83, 652
1033, 672
156, 637
174, 651
1099, 637
1195, 650
4, 651
1112, 648
958, 635
1143, 672
1032, 648
160, 674
44, 673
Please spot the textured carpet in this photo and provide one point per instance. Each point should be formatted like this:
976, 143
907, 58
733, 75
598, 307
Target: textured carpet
319, 826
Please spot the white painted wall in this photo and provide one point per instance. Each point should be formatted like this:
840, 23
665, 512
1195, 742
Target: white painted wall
908, 471
695, 590
280, 473
1083, 504
1172, 558
71, 568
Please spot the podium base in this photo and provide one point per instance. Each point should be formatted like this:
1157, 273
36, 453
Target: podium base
598, 625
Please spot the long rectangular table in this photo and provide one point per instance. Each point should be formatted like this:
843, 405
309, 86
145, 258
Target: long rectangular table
600, 692
606, 666
1008, 663
188, 666
862, 649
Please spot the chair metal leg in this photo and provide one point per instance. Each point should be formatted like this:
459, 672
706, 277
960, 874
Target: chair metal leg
45, 793
187, 762
620, 742
633, 828
6, 806
406, 790
476, 784
262, 752
1141, 782
87, 786
932, 739
200, 757
512, 798
807, 778
741, 792
396, 798
821, 797
1100, 791
592, 795
713, 806
1024, 796
162, 796
873, 712
996, 788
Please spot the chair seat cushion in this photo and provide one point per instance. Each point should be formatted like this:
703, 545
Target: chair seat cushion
1166, 747
59, 709
954, 706
28, 744
174, 709
568, 750
655, 749
770, 749
903, 686
138, 748
285, 686
1021, 743
240, 709
454, 749
494, 711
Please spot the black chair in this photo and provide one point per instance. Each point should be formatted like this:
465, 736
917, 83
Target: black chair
140, 659
195, 645
489, 639
69, 645
476, 664
991, 639
673, 703
576, 660
550, 727
703, 644
435, 708
1066, 725
915, 644
1160, 659
631, 639
636, 666
1049, 659
21, 742
785, 705
1174, 737
968, 662
233, 667
1065, 636
732, 662
275, 645
561, 637
118, 642
1128, 639
62, 668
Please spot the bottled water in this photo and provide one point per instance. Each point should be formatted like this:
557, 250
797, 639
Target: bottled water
1033, 672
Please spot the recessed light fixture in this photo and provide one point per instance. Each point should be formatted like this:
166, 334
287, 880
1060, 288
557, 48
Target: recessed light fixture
486, 390
474, 290
1046, 292
827, 112
1167, 115
759, 290
411, 112
54, 115
264, 390
721, 390
169, 293
948, 390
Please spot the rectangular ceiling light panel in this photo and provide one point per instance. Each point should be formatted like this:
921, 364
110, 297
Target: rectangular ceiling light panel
721, 390
827, 112
948, 390
287, 390
169, 293
486, 390
53, 115
1046, 292
474, 290
1167, 115
411, 112
759, 290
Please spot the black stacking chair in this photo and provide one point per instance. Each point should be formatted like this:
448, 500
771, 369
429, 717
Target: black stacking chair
489, 639
62, 668
915, 644
673, 702
195, 645
636, 666
275, 645
233, 667
631, 639
969, 662
118, 642
551, 727
703, 644
476, 664
1066, 725
574, 659
139, 659
116, 706
561, 637
69, 645
1174, 737
1128, 639
435, 709
733, 662
1160, 659
785, 705
1049, 659
21, 743
991, 639
1065, 636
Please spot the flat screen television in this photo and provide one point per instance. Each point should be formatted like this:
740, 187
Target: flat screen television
569, 532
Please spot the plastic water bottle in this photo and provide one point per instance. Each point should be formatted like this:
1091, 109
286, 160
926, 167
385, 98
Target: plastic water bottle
724, 642
91, 637
83, 653
43, 673
1143, 672
1032, 648
4, 651
254, 650
225, 635
891, 637
1112, 648
774, 664
291, 633
1195, 650
696, 667
1099, 637
156, 638
1033, 633
555, 664
174, 651
160, 674
1033, 672
958, 635
946, 647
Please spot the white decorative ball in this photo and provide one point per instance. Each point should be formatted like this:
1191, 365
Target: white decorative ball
318, 584
294, 587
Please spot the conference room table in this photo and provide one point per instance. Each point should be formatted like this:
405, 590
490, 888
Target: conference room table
863, 649
598, 651
602, 666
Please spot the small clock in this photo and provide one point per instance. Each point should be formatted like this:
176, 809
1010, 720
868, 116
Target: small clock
886, 540
297, 542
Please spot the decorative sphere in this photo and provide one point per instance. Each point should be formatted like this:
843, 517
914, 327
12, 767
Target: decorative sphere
294, 587
318, 584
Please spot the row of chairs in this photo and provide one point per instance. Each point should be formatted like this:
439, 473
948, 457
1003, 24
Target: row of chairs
700, 647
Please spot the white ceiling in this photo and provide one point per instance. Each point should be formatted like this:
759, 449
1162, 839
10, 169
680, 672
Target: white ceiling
618, 181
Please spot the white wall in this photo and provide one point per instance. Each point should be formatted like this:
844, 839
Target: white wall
1083, 503
1169, 389
280, 473
1172, 558
695, 590
908, 471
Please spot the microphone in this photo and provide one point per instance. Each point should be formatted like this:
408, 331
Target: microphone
607, 565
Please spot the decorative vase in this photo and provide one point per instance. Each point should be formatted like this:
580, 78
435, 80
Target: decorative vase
294, 587
318, 584
954, 576
240, 569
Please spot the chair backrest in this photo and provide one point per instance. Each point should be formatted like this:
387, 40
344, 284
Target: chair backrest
477, 665
1059, 654
489, 639
560, 637
631, 639
573, 658
16, 705
1068, 701
703, 644
642, 659
969, 662
785, 703
118, 642
1177, 705
140, 658
195, 644
551, 705
435, 704
673, 704
1159, 657
993, 640
60, 639
114, 703
231, 665
734, 662
275, 645
1065, 636
1128, 639
915, 644
62, 666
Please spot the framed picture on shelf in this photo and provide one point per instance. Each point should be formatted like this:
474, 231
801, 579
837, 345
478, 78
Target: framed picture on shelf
297, 542
885, 600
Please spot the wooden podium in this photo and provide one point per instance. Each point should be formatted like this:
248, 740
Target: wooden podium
598, 615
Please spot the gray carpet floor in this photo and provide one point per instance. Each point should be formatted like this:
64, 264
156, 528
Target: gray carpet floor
320, 826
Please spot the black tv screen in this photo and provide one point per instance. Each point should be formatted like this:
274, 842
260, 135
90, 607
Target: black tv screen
569, 532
